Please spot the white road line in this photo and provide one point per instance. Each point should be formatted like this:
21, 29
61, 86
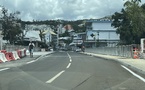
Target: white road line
4, 69
70, 60
30, 61
136, 75
69, 57
68, 65
55, 77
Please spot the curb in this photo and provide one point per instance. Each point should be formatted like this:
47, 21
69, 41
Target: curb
117, 60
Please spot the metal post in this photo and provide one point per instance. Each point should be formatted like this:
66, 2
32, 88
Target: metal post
95, 40
1, 43
58, 36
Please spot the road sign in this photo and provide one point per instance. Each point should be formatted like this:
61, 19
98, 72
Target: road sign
92, 35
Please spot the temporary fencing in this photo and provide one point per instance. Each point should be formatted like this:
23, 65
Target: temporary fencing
123, 51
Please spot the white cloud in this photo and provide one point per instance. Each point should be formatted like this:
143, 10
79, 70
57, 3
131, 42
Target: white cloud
64, 9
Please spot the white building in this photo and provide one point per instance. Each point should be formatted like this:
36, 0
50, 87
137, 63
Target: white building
101, 32
33, 31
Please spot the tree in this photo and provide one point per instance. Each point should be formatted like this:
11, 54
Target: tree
130, 22
11, 26
122, 23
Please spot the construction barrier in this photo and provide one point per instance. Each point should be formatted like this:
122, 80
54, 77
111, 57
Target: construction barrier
19, 52
2, 57
3, 51
135, 53
23, 52
9, 56
15, 54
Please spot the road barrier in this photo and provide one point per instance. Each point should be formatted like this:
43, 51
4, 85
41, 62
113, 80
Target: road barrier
19, 53
23, 52
2, 57
135, 53
9, 56
14, 55
3, 51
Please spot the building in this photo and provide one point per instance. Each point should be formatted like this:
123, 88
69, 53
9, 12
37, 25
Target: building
78, 41
101, 33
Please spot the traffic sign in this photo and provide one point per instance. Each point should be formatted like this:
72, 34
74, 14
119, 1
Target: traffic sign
92, 35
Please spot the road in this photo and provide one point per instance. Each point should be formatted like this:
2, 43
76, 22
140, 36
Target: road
69, 71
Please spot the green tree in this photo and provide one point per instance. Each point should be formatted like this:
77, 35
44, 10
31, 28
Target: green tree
122, 23
11, 26
130, 22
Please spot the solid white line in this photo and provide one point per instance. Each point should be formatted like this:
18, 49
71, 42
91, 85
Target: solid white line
56, 76
136, 75
4, 69
30, 62
68, 65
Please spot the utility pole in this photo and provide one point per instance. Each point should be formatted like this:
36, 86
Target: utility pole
95, 40
58, 35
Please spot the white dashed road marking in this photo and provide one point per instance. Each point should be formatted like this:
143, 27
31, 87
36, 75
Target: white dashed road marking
31, 61
4, 69
68, 65
55, 77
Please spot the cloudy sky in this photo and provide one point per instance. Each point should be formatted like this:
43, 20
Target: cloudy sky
63, 9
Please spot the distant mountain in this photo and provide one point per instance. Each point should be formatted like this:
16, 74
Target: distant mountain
109, 17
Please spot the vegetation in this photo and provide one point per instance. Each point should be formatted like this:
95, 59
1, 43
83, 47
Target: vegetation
53, 24
10, 25
130, 22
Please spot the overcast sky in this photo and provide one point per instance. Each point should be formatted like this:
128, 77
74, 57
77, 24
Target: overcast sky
63, 9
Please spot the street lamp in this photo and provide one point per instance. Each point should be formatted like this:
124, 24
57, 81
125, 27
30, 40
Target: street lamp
1, 40
98, 38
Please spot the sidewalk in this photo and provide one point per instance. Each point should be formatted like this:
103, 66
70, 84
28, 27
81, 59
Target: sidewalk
136, 64
40, 53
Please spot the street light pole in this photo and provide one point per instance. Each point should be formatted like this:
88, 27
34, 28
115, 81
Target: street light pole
57, 36
95, 40
98, 38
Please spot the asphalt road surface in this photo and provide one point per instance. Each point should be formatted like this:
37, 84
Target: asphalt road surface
70, 71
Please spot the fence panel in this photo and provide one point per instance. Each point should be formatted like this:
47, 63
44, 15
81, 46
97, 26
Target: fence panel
123, 51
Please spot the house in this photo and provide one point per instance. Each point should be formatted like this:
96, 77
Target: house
78, 40
100, 33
